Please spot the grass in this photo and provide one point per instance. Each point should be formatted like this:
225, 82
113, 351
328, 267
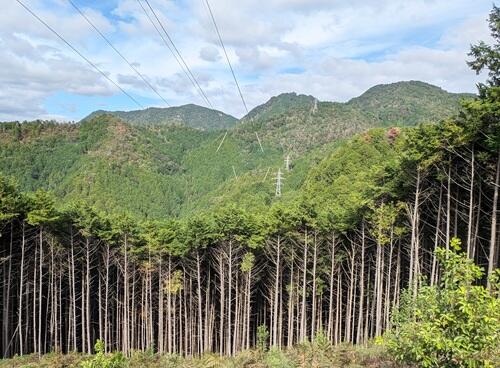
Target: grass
305, 355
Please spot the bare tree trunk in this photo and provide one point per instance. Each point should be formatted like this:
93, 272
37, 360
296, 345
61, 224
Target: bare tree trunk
493, 254
330, 304
434, 270
303, 320
471, 207
21, 284
40, 279
359, 333
448, 208
313, 312
106, 296
6, 297
276, 293
87, 294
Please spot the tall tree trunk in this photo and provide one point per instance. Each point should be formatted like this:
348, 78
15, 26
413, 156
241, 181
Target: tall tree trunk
276, 293
493, 254
313, 312
21, 284
330, 303
303, 317
471, 207
359, 333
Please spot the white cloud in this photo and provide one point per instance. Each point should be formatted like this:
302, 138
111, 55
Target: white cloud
339, 48
210, 53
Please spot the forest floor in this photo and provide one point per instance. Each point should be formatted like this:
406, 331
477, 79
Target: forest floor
299, 357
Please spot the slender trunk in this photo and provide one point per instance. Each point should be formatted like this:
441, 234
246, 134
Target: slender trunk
276, 292
471, 208
303, 321
436, 237
448, 208
313, 313
330, 304
40, 279
21, 284
359, 333
493, 254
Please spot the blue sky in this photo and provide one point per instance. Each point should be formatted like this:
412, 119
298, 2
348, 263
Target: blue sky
331, 49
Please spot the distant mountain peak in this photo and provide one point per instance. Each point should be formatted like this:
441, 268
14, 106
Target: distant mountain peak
190, 115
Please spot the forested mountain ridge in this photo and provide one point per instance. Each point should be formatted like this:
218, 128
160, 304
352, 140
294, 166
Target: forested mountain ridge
189, 115
117, 163
408, 103
298, 122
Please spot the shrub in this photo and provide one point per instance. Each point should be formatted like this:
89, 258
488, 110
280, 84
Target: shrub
454, 324
262, 337
276, 358
102, 360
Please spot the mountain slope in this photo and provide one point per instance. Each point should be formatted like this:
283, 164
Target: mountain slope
173, 168
190, 115
407, 103
298, 123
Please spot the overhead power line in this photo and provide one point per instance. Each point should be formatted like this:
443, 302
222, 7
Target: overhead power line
139, 74
175, 51
225, 53
230, 65
79, 53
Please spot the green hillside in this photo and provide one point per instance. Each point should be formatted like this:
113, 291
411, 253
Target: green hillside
407, 103
299, 123
190, 115
136, 161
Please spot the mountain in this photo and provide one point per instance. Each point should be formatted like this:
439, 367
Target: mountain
166, 162
407, 103
298, 122
190, 115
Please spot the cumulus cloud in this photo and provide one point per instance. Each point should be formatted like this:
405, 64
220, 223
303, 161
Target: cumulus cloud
210, 53
337, 49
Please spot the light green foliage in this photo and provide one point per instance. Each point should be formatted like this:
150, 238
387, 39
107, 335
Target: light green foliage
352, 177
454, 324
276, 358
42, 208
102, 360
262, 338
383, 218
248, 262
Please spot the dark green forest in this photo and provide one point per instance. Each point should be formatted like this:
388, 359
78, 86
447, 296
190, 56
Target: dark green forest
164, 237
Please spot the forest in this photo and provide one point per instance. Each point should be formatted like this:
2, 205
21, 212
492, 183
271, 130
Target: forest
374, 227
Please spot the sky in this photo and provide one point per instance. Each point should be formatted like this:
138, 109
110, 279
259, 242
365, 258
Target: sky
331, 49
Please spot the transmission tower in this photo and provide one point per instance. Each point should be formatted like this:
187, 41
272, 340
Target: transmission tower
279, 179
287, 163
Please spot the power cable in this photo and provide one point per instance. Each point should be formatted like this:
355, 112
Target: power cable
175, 51
118, 52
79, 53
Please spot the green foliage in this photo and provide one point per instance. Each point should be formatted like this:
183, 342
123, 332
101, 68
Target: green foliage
120, 165
42, 210
276, 358
349, 181
10, 199
102, 360
248, 262
454, 324
488, 56
262, 338
190, 115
